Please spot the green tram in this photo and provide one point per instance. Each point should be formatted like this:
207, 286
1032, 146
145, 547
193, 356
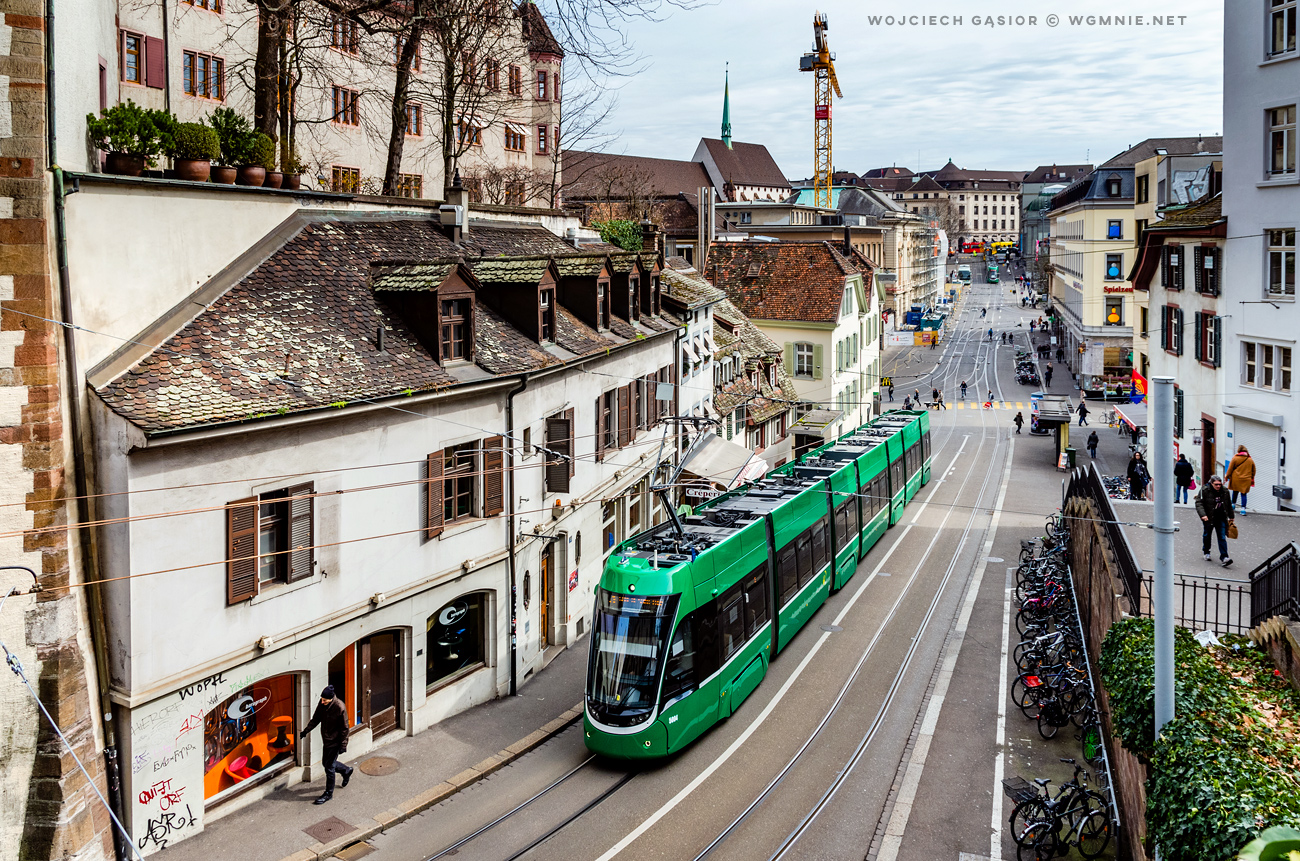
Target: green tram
683, 628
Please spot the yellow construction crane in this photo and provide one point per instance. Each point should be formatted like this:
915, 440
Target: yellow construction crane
822, 63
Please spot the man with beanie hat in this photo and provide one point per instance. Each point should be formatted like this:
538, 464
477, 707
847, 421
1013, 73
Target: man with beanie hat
332, 716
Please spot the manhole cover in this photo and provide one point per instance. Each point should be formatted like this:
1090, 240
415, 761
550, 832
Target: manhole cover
354, 852
328, 830
378, 766
832, 629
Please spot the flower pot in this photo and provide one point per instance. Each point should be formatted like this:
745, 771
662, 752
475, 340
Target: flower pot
251, 174
124, 164
273, 179
193, 169
223, 175
292, 181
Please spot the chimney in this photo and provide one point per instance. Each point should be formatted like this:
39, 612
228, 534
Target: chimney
848, 244
454, 214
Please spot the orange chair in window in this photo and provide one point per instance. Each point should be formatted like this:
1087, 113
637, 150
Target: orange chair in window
238, 769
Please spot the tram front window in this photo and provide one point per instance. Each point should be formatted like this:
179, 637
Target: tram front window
627, 643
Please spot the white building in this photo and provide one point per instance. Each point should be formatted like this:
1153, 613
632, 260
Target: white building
1261, 199
821, 307
355, 454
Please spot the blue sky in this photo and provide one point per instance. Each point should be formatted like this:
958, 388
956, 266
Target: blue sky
1001, 97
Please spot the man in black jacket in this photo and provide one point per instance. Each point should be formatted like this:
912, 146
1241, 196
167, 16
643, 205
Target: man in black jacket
1214, 506
332, 716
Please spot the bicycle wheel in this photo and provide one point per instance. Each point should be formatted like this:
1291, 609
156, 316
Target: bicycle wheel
1094, 834
1090, 738
1028, 811
1037, 842
1051, 718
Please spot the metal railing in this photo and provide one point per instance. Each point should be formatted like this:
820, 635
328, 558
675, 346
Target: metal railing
1086, 482
1275, 586
1206, 604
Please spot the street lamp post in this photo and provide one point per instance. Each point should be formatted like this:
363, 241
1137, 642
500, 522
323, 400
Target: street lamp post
1161, 432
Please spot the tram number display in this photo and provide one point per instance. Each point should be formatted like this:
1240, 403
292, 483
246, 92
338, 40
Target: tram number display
651, 604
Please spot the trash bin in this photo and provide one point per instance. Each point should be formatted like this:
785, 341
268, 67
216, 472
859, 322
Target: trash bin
1069, 452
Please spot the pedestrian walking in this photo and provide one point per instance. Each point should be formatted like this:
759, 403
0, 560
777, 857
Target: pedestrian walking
891, 393
990, 333
963, 390
1019, 420
1083, 414
942, 405
916, 397
934, 395
1137, 476
331, 716
1047, 375
990, 397
907, 403
1214, 507
1183, 472
1240, 477
1092, 445
1031, 327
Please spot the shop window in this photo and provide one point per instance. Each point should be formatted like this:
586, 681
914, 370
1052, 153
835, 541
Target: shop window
249, 733
1114, 312
367, 676
455, 639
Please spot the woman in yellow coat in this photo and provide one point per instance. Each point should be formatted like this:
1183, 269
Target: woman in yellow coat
1240, 477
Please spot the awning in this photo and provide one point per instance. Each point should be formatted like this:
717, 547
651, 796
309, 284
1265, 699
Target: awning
1133, 415
725, 463
708, 342
517, 128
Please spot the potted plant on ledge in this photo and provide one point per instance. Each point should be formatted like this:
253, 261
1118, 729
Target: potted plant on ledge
252, 167
234, 142
264, 155
193, 147
293, 173
129, 134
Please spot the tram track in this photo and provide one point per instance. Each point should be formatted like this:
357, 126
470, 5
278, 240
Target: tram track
897, 681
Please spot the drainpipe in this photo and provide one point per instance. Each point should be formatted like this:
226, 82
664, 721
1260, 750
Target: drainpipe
510, 526
94, 598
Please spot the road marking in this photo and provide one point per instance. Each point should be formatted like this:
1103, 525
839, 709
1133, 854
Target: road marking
762, 716
897, 826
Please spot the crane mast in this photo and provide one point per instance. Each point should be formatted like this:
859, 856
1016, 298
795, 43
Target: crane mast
821, 62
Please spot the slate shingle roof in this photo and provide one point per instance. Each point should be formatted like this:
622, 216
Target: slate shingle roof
1175, 146
413, 277
538, 33
598, 175
299, 332
790, 281
745, 163
753, 347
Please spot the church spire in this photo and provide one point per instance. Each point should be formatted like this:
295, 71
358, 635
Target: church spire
726, 110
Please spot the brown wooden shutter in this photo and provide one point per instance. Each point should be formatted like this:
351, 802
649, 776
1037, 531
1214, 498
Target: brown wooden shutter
558, 433
241, 550
301, 534
573, 448
493, 476
155, 63
433, 501
600, 428
624, 415
1198, 265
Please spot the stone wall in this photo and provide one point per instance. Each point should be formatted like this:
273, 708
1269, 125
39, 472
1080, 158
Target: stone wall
47, 809
1100, 591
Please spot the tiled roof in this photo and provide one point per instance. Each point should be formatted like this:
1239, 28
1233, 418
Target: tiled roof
749, 343
1052, 173
1201, 214
299, 332
781, 280
538, 33
1175, 146
595, 175
413, 277
584, 266
745, 163
690, 289
516, 270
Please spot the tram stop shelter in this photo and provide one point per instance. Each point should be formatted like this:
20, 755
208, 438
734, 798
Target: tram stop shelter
1053, 416
814, 428
717, 466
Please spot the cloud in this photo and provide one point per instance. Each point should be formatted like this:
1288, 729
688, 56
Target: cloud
999, 98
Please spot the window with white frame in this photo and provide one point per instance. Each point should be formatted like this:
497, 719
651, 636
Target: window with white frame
1281, 262
1281, 27
803, 360
1281, 141
1266, 366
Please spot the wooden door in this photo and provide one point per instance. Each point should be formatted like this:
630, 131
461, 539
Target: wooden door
544, 598
1209, 462
380, 661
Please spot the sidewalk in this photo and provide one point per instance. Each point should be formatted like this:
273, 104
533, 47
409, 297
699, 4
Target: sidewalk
399, 779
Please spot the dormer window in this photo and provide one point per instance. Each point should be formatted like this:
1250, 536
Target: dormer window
654, 295
456, 330
546, 306
634, 309
602, 305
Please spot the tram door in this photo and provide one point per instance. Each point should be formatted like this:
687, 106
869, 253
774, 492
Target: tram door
544, 596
